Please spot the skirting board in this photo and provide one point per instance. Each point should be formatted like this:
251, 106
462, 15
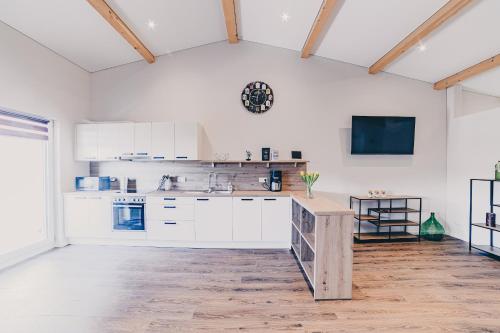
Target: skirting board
11, 259
186, 244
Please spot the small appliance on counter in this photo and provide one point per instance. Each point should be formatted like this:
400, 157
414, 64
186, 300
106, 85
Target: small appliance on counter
266, 154
275, 181
92, 183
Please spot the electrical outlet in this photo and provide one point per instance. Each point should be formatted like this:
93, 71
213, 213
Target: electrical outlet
181, 179
262, 179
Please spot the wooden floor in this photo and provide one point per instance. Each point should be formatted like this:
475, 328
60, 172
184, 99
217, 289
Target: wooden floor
409, 287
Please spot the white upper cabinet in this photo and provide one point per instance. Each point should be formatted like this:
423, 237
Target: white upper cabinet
162, 141
187, 141
142, 139
276, 217
247, 219
86, 146
116, 140
155, 141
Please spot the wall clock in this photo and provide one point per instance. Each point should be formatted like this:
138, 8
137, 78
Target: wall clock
257, 97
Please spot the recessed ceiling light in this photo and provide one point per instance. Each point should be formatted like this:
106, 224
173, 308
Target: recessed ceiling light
422, 47
151, 24
285, 17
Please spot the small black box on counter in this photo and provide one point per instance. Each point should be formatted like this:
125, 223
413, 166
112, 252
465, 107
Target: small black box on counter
266, 154
296, 155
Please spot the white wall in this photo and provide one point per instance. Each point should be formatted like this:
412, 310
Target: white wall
315, 99
35, 80
473, 139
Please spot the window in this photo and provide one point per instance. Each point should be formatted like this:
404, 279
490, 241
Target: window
24, 196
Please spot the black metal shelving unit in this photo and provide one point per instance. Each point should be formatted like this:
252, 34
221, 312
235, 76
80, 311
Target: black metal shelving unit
489, 249
382, 217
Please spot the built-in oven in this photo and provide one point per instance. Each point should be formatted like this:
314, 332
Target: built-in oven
128, 213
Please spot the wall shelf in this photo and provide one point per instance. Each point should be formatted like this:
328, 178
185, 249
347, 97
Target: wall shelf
268, 164
488, 249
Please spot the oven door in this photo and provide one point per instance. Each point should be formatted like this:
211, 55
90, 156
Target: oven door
128, 217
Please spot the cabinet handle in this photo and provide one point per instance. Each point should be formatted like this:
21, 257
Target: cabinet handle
270, 199
247, 199
169, 199
158, 157
181, 157
143, 154
169, 222
202, 199
168, 206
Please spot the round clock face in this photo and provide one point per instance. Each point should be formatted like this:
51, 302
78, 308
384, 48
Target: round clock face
257, 97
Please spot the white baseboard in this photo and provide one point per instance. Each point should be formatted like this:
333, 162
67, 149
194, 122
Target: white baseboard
185, 244
10, 259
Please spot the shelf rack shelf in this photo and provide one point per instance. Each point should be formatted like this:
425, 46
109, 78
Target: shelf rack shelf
382, 216
488, 249
268, 164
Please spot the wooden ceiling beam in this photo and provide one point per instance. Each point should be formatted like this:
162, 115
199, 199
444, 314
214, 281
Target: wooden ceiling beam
468, 72
451, 8
318, 26
229, 10
117, 23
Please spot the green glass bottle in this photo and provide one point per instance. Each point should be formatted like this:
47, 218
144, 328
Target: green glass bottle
497, 171
432, 229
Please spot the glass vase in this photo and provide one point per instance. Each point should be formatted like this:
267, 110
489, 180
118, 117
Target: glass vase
431, 229
309, 192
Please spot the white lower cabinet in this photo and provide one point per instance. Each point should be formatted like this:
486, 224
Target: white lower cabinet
214, 219
247, 224
174, 230
276, 219
87, 216
170, 218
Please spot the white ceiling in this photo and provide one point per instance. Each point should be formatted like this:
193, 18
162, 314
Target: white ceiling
361, 32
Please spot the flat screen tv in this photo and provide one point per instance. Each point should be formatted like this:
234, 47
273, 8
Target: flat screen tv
382, 135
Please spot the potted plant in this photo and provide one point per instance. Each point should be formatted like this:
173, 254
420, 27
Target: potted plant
309, 179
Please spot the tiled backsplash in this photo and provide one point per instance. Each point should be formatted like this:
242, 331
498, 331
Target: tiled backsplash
147, 175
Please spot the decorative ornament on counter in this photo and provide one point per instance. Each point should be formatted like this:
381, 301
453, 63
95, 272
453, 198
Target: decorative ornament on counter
377, 193
309, 178
248, 154
431, 229
275, 155
296, 155
257, 97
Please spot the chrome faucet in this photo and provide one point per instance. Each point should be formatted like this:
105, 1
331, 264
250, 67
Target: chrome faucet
210, 187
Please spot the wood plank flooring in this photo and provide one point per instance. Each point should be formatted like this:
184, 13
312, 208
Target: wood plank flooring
408, 287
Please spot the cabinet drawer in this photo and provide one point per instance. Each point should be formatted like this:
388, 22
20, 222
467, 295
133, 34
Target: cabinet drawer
170, 230
170, 211
170, 200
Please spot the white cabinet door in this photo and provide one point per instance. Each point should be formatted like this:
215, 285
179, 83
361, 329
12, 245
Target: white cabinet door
276, 215
162, 141
100, 216
213, 219
186, 141
86, 137
75, 216
115, 140
87, 216
142, 139
247, 219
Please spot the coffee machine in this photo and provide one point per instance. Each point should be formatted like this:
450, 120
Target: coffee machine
275, 181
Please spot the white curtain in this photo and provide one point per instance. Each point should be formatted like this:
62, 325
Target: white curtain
23, 182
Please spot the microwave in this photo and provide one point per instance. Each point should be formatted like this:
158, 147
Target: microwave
92, 183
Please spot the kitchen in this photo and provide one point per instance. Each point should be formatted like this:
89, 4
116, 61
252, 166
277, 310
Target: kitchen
229, 165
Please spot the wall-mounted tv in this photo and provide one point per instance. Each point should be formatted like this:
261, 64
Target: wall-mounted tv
382, 135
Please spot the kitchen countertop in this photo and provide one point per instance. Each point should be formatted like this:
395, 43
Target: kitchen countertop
323, 203
215, 194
